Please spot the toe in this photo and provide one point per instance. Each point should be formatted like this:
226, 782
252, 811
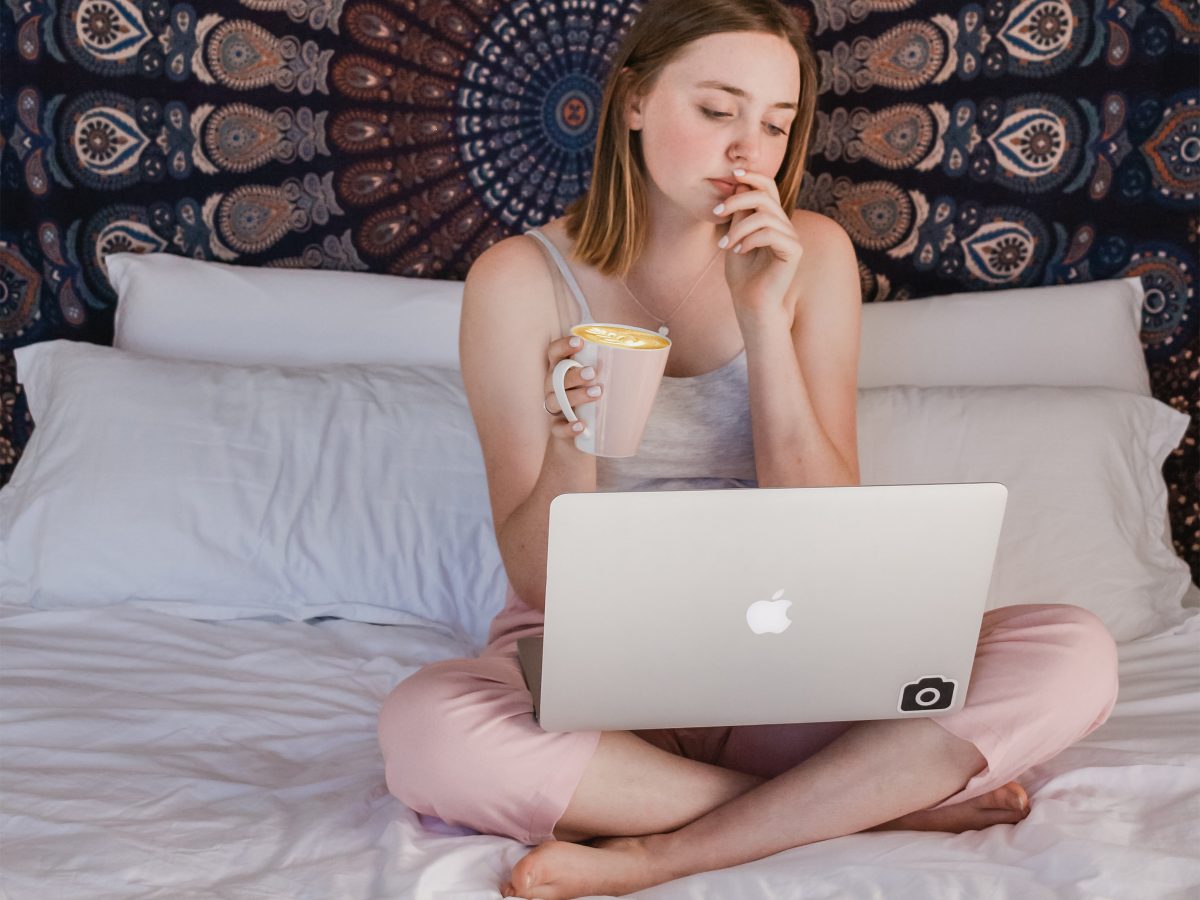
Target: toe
1011, 796
1020, 799
1008, 797
523, 876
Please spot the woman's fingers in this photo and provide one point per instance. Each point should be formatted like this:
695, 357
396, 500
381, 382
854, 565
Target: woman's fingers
578, 377
758, 181
561, 348
576, 397
579, 383
556, 352
564, 430
748, 201
741, 232
784, 246
560, 427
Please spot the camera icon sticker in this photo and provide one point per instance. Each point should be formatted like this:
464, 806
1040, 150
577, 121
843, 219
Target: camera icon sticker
927, 694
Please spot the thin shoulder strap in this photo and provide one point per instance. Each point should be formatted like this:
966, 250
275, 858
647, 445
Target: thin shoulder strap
568, 275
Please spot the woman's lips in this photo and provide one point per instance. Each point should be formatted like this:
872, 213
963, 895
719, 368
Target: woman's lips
724, 187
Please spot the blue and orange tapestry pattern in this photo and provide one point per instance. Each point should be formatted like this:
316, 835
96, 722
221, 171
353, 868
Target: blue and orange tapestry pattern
963, 146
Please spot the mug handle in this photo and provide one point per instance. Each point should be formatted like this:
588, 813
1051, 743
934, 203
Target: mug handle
560, 391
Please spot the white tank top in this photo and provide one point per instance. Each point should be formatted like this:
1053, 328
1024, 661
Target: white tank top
699, 432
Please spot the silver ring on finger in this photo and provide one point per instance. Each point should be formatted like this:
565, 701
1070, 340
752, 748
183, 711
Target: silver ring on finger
548, 409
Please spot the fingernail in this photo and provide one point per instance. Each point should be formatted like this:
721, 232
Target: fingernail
719, 208
578, 426
723, 242
737, 249
739, 172
593, 391
575, 342
587, 373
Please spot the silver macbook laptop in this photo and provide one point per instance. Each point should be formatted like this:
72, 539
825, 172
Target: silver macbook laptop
676, 609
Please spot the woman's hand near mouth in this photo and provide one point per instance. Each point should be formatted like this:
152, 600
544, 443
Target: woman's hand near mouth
766, 250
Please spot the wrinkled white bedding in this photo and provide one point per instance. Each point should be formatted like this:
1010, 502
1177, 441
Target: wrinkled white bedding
151, 756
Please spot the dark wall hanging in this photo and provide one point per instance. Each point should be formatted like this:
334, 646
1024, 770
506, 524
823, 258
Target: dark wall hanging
963, 146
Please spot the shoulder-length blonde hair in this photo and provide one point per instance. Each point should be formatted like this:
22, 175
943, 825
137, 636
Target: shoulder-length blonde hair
607, 223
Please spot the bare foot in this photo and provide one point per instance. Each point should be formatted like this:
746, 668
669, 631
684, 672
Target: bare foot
1005, 805
558, 870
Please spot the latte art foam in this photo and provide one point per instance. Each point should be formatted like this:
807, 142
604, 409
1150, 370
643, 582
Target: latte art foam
615, 336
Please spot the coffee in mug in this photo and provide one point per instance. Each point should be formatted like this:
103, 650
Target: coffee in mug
621, 336
629, 363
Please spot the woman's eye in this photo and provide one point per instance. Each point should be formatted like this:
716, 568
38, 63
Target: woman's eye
773, 130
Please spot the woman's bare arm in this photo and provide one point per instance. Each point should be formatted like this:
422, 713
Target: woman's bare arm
803, 381
508, 321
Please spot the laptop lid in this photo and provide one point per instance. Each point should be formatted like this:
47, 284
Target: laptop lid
671, 609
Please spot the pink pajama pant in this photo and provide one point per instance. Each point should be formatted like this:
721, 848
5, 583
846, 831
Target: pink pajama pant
460, 743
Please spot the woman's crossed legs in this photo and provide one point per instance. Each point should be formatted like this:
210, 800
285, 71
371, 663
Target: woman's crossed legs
1044, 676
874, 775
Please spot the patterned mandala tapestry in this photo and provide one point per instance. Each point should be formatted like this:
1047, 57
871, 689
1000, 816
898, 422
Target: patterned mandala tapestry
963, 146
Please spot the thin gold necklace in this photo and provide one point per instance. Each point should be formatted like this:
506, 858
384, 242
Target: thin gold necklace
663, 329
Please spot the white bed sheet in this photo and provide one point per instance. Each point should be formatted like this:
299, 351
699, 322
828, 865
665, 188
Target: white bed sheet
151, 756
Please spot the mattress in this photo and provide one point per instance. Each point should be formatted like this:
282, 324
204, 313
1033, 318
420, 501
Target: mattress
151, 756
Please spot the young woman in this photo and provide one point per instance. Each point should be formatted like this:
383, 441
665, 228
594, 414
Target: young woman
690, 224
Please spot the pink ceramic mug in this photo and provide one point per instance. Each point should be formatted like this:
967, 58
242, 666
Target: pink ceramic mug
629, 364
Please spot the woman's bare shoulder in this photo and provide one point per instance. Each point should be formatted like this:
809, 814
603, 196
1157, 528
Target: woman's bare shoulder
829, 264
819, 232
511, 279
514, 258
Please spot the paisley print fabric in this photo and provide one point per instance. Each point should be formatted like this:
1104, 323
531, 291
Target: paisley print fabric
963, 146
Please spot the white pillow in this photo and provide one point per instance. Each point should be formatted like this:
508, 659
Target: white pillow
1086, 501
174, 306
1072, 335
177, 307
221, 492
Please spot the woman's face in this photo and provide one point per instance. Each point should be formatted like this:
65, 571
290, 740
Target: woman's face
727, 100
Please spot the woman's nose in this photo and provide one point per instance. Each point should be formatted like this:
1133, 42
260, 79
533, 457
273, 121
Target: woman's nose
745, 151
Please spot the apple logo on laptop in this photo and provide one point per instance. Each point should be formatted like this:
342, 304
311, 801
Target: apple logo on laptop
765, 616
